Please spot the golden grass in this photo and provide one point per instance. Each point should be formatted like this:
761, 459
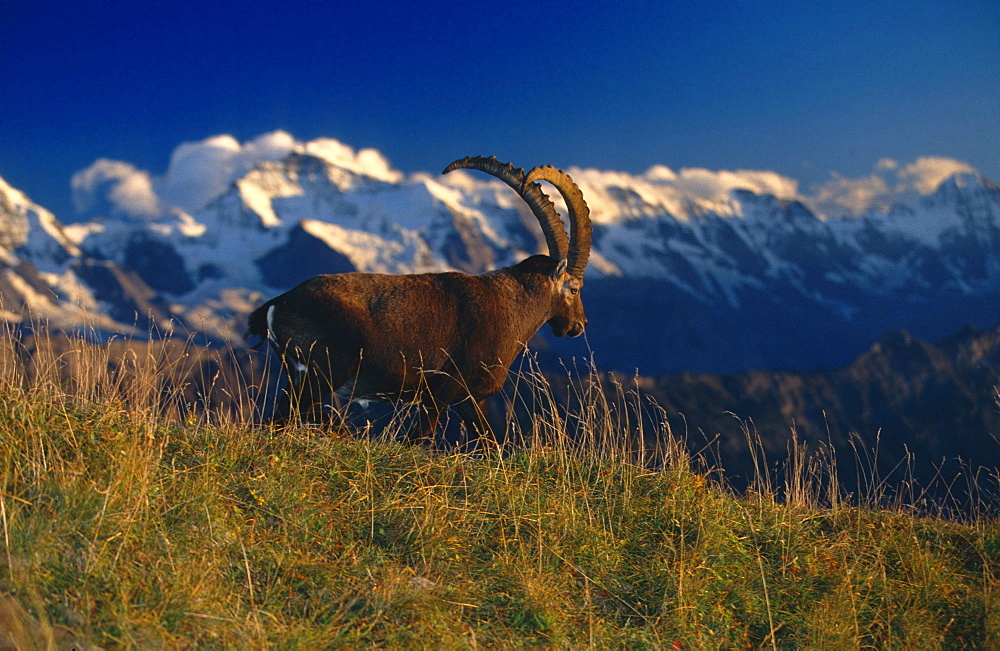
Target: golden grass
135, 512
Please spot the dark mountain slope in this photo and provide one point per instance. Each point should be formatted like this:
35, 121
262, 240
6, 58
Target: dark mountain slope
902, 396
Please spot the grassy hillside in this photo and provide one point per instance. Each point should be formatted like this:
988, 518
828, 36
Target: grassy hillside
128, 519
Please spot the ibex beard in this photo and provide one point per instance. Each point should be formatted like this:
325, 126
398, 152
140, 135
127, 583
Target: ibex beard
441, 339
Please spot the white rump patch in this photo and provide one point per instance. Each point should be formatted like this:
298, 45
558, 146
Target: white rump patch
270, 327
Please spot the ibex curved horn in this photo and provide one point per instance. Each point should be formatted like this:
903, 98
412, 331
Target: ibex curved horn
579, 215
537, 200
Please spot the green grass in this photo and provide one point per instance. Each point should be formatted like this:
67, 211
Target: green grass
128, 521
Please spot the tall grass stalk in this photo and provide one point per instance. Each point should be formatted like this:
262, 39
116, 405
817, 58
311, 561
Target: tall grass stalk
142, 507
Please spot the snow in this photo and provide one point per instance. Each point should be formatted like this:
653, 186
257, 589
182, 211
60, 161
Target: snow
370, 252
77, 307
697, 229
31, 232
257, 198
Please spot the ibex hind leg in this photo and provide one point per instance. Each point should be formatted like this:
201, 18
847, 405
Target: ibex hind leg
289, 401
303, 397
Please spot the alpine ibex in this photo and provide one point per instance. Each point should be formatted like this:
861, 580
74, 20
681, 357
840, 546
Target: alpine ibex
442, 338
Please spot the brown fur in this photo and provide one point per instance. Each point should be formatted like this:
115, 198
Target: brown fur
446, 338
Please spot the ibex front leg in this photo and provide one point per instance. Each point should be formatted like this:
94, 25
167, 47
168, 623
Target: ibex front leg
473, 413
429, 411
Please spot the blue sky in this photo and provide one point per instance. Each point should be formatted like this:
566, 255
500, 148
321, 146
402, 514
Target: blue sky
806, 89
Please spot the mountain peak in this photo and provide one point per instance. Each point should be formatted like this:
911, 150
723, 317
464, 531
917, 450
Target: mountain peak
961, 185
715, 261
31, 232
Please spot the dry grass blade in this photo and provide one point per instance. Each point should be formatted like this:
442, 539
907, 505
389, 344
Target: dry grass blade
141, 506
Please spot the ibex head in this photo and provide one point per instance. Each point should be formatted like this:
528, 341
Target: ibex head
569, 253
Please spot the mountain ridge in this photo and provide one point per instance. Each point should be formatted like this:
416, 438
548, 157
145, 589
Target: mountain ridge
704, 264
901, 399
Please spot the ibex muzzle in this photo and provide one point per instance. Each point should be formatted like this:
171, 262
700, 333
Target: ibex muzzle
445, 338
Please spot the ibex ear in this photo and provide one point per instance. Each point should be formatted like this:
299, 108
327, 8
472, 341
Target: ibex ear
559, 270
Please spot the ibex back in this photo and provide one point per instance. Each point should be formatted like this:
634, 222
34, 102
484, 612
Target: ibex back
443, 338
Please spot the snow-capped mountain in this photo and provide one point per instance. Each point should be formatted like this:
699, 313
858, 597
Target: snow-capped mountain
45, 276
689, 271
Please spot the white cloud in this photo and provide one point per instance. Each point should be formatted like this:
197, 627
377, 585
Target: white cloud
616, 195
889, 183
840, 196
200, 171
125, 188
710, 185
661, 174
366, 161
927, 172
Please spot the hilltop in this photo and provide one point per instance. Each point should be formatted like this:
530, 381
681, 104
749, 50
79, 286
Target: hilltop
129, 520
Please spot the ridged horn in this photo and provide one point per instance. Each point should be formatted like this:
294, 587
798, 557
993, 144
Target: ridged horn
531, 193
579, 215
